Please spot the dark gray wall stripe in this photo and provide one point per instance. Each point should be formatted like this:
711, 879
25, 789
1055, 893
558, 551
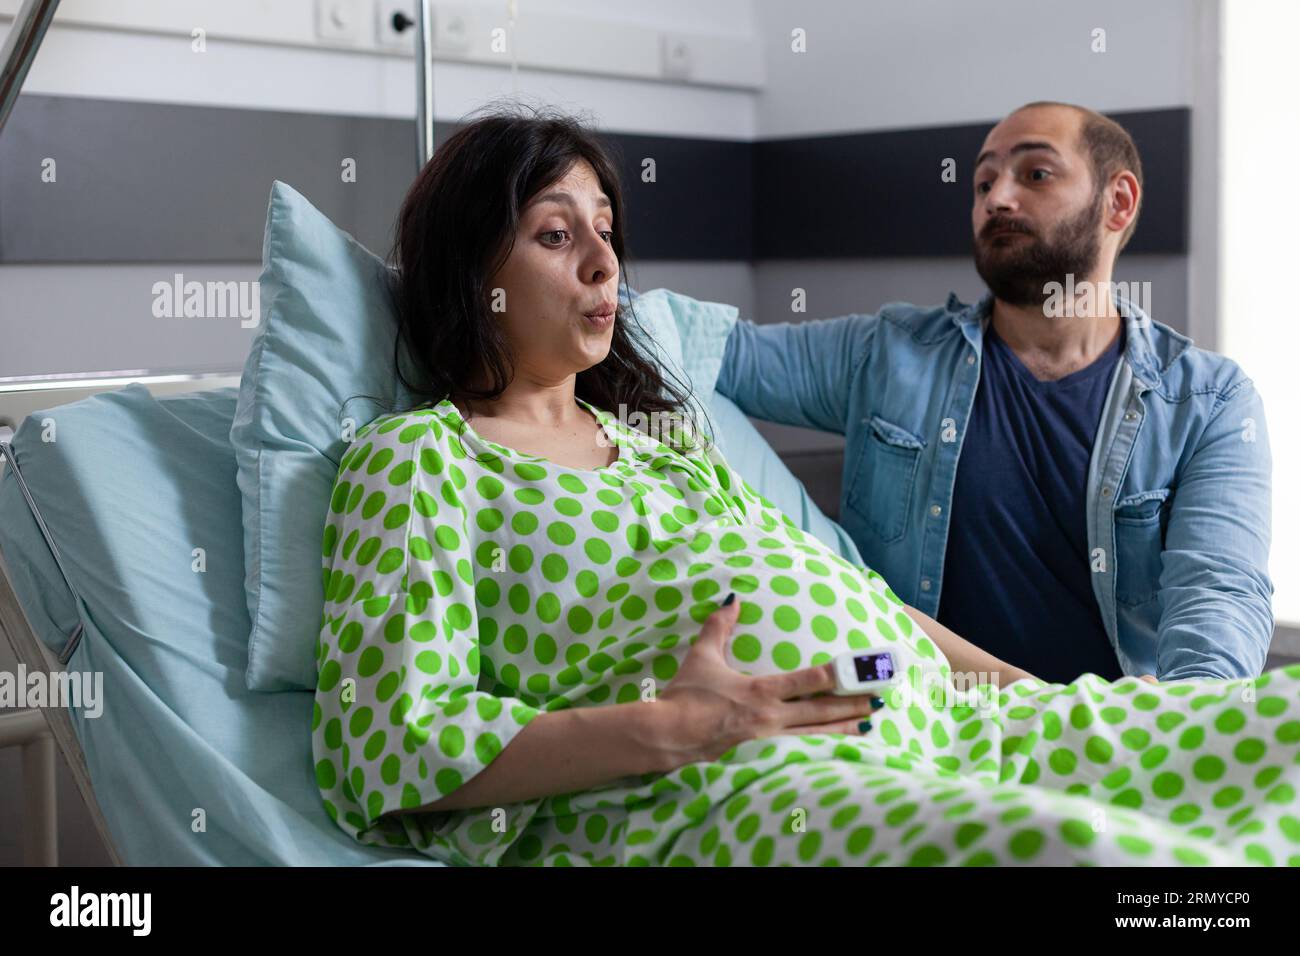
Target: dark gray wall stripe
154, 182
157, 182
700, 205
863, 195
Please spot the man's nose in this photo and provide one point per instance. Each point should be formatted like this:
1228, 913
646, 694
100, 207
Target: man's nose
1000, 197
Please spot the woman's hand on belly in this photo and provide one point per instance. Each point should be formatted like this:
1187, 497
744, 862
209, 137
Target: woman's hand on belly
709, 707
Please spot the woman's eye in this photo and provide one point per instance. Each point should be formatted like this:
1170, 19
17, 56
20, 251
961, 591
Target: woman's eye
1035, 172
553, 237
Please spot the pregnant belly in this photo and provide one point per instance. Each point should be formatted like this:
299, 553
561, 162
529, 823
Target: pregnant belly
801, 604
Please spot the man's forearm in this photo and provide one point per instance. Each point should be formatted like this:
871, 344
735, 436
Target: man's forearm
794, 373
965, 657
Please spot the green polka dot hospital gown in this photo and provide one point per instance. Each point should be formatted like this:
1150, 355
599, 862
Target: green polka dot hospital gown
470, 587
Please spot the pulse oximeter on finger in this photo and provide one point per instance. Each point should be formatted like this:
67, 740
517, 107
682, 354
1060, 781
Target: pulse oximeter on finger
866, 671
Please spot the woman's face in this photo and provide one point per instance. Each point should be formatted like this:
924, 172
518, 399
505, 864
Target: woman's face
556, 294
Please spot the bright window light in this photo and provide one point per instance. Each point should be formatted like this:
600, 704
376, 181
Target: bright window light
1259, 325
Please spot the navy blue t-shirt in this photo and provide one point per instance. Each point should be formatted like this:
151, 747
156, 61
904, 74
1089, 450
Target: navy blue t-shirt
1017, 579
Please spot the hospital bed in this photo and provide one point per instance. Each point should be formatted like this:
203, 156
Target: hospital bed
95, 562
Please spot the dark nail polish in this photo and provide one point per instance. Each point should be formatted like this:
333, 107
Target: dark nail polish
864, 726
877, 703
730, 597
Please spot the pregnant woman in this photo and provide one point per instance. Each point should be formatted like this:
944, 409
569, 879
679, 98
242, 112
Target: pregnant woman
550, 638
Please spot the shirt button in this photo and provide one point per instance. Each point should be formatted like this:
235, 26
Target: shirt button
936, 510
1105, 492
1129, 416
925, 584
970, 360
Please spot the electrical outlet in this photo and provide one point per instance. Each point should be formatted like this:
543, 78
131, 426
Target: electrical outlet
450, 31
338, 20
675, 56
395, 24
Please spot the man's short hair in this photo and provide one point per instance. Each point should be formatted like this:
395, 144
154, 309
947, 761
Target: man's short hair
1110, 149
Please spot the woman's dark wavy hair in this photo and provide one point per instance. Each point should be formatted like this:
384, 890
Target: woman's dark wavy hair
457, 226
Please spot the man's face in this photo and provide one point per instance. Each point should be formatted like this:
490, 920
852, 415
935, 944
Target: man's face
1036, 214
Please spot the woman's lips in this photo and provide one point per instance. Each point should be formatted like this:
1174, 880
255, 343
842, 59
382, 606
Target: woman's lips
600, 320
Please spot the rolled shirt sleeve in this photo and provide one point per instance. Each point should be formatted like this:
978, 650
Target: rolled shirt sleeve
1215, 591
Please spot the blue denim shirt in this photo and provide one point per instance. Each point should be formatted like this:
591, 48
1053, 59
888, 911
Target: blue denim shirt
1179, 485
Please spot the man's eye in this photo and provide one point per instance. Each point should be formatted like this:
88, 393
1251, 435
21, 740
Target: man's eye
1045, 172
982, 187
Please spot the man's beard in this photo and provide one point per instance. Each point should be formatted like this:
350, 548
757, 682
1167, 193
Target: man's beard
1017, 274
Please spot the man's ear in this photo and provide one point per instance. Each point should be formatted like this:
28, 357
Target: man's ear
1122, 198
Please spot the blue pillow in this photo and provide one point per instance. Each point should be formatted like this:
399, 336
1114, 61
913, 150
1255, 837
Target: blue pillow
688, 338
327, 335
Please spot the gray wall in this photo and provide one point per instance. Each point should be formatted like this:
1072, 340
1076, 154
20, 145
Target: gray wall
878, 65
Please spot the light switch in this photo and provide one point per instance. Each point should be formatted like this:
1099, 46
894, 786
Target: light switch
338, 20
450, 32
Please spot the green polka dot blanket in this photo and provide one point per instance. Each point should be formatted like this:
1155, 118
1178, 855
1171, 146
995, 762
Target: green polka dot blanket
470, 587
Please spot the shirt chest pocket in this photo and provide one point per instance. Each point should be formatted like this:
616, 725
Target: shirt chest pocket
883, 479
1140, 523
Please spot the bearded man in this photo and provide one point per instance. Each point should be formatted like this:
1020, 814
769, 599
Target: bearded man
1074, 489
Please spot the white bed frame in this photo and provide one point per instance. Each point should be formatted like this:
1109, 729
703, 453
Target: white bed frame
37, 732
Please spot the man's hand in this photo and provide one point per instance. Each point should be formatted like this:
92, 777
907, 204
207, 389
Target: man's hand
1151, 678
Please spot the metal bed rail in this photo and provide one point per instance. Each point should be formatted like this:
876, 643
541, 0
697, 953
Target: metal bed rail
20, 48
34, 731
29, 730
